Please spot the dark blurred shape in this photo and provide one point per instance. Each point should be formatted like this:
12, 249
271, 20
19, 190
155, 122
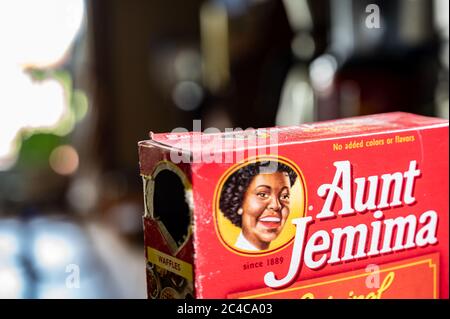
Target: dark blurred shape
259, 57
310, 21
370, 70
136, 51
146, 71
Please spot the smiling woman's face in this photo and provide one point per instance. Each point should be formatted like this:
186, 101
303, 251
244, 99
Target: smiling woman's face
265, 208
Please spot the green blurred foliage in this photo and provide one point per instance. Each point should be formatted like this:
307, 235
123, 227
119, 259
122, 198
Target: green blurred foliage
36, 149
36, 145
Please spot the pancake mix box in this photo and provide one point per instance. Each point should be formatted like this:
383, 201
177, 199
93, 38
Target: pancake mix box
353, 208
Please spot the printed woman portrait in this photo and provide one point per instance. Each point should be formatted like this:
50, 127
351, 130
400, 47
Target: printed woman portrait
257, 199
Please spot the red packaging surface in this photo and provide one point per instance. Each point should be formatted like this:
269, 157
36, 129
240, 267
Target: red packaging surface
353, 208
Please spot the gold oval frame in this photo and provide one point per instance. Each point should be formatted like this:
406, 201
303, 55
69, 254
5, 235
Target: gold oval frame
233, 169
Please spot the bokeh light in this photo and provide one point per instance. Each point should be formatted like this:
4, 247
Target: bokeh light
64, 160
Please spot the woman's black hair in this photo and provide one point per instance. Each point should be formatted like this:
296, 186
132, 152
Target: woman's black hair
236, 185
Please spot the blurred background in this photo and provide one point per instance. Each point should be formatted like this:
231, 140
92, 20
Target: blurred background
81, 82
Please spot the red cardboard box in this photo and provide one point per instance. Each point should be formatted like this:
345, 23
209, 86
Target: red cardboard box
352, 208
